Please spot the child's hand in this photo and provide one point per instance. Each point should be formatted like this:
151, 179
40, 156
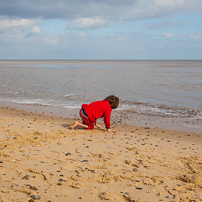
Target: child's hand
110, 130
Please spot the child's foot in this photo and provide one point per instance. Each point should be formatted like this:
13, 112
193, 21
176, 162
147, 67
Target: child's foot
71, 127
74, 125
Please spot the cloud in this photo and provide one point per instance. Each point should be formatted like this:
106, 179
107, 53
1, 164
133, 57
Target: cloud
50, 39
113, 10
170, 3
35, 29
33, 32
87, 23
168, 35
17, 30
15, 25
163, 24
194, 36
67, 29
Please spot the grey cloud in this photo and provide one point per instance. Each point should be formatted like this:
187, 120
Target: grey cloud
62, 8
107, 9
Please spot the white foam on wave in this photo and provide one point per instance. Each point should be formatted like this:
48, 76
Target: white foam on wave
175, 111
130, 107
68, 95
42, 102
30, 102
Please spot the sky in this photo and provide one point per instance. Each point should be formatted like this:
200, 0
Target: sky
101, 29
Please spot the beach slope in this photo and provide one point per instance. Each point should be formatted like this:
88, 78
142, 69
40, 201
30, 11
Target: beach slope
41, 159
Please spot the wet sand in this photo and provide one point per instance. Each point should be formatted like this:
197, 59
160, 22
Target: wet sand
41, 159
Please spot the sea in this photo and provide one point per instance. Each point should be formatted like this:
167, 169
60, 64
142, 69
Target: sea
158, 93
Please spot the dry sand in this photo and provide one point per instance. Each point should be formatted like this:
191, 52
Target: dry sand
42, 160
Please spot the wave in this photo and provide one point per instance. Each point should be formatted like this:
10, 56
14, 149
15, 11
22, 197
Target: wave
136, 107
69, 95
160, 110
42, 102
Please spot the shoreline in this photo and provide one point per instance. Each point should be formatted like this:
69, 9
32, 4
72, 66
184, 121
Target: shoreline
40, 158
48, 116
121, 117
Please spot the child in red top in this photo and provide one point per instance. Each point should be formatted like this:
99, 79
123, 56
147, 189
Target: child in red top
90, 113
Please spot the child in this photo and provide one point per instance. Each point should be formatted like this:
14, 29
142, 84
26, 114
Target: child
90, 113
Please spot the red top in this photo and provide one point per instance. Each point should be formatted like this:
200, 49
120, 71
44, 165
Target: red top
99, 109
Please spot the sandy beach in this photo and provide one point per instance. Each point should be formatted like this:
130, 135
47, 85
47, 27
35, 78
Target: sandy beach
41, 159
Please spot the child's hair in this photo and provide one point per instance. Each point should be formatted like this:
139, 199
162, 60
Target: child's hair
113, 100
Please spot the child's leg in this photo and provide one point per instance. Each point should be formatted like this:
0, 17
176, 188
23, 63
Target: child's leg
76, 123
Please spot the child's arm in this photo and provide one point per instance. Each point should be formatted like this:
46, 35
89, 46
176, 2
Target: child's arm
97, 125
107, 121
110, 130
